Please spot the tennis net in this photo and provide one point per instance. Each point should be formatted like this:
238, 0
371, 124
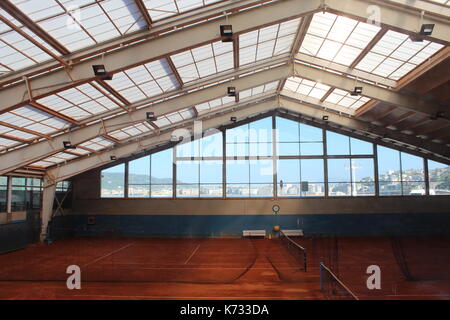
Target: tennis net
332, 287
294, 249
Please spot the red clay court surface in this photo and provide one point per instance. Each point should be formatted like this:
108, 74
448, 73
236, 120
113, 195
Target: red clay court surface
122, 268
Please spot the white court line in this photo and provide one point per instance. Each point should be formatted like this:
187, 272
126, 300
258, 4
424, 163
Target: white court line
107, 255
192, 254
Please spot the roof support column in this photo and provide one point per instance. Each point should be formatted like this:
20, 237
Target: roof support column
48, 197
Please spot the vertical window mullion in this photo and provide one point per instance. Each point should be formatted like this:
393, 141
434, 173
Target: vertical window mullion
375, 166
325, 160
274, 158
174, 172
426, 177
224, 163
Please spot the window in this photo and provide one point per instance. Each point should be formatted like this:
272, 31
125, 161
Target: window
413, 175
389, 171
113, 182
199, 167
249, 160
25, 193
151, 176
439, 178
300, 177
3, 193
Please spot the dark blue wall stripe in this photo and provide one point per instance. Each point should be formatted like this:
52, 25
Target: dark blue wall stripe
232, 225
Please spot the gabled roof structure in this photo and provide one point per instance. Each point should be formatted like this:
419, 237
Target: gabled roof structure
167, 57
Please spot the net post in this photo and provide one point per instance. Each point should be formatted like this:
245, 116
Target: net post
321, 276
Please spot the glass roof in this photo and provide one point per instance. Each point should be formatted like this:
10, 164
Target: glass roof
174, 117
96, 144
81, 102
6, 143
395, 55
337, 97
159, 9
267, 42
343, 98
336, 38
131, 131
306, 87
79, 24
443, 2
144, 81
33, 119
16, 52
204, 61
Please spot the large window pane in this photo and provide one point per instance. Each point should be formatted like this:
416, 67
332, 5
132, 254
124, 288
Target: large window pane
162, 167
113, 182
211, 145
363, 177
287, 130
261, 171
261, 190
237, 149
188, 149
311, 149
360, 147
138, 191
310, 133
288, 149
261, 130
238, 190
188, 191
339, 177
238, 172
187, 172
439, 177
238, 134
412, 168
388, 164
260, 149
211, 171
139, 171
312, 170
288, 170
337, 144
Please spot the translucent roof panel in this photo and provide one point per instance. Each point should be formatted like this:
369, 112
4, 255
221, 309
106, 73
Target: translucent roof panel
344, 99
272, 86
144, 81
306, 87
395, 55
213, 104
16, 133
160, 9
335, 38
267, 42
81, 102
34, 119
174, 117
7, 143
79, 24
131, 131
204, 61
443, 2
16, 52
97, 144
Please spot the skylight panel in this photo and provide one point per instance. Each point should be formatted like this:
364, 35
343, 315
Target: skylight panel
16, 52
174, 117
306, 87
258, 90
42, 163
395, 55
80, 102
97, 144
212, 104
6, 143
130, 131
336, 38
344, 99
145, 81
16, 133
33, 119
267, 42
38, 10
204, 61
160, 9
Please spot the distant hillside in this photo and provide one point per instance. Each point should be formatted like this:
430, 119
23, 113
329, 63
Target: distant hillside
112, 179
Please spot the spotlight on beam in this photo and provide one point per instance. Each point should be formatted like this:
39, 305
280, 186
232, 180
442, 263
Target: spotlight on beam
226, 33
325, 118
231, 91
113, 158
426, 29
151, 116
233, 119
357, 91
68, 145
100, 70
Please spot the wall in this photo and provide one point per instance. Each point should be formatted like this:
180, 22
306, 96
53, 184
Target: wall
19, 234
228, 217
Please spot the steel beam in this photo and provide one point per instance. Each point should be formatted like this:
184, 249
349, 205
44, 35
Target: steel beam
73, 168
24, 156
